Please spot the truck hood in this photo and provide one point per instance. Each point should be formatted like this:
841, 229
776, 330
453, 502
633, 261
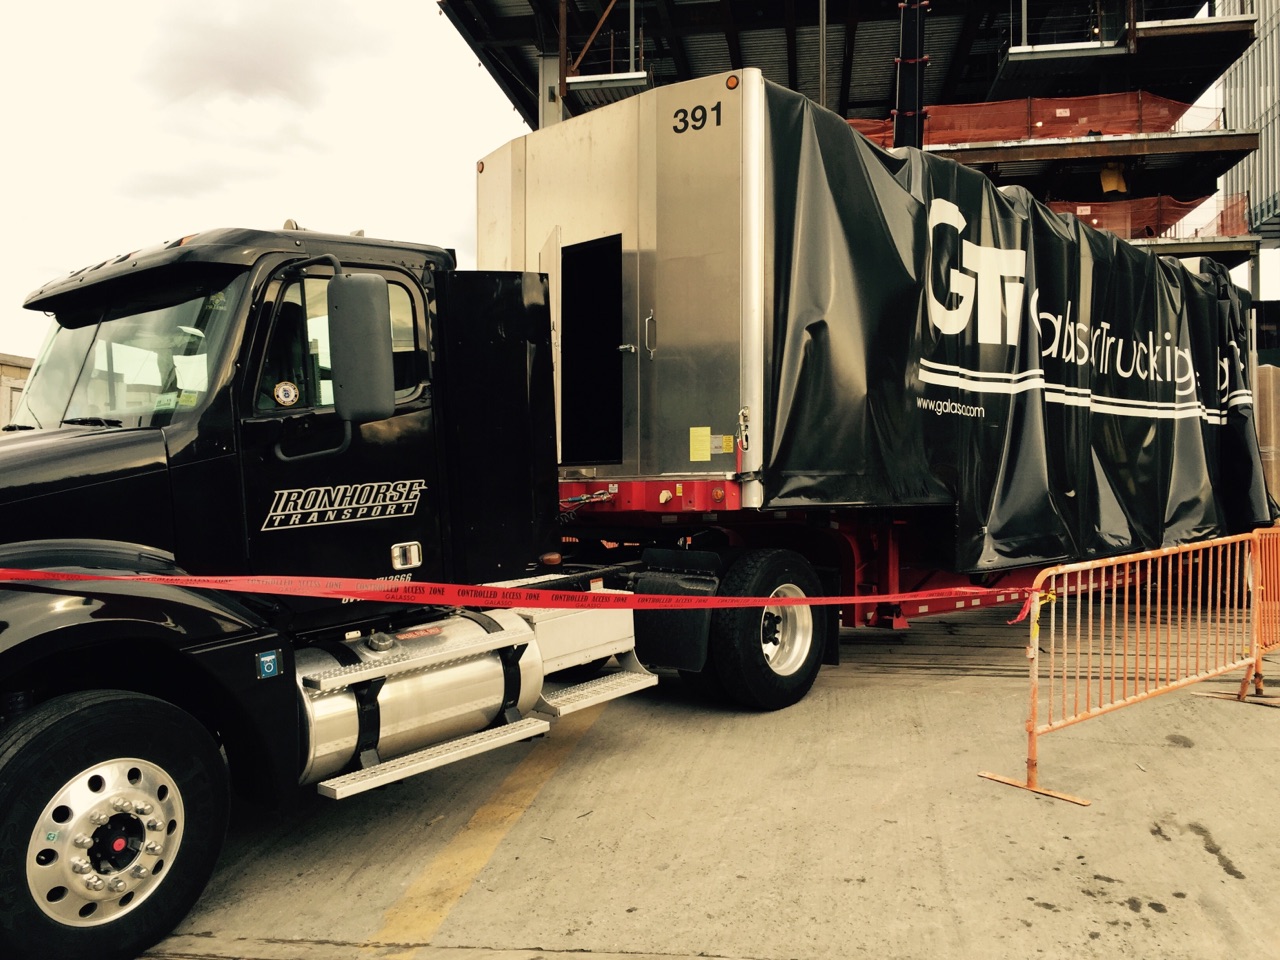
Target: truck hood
37, 463
77, 483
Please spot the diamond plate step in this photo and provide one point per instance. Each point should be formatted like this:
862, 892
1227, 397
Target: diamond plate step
582, 695
389, 666
339, 788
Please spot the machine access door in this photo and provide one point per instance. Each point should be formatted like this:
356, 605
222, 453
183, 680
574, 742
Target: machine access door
691, 328
314, 507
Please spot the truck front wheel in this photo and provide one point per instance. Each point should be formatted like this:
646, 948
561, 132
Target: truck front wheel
114, 808
768, 657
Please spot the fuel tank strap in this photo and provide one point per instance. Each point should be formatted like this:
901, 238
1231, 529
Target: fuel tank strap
489, 624
509, 657
369, 719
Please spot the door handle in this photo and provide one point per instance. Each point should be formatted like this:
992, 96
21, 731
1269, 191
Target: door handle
330, 452
649, 323
406, 556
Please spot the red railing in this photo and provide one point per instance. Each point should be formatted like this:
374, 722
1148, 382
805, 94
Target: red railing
1150, 217
1042, 118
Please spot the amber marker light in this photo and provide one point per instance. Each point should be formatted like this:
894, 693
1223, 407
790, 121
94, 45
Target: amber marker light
717, 494
732, 82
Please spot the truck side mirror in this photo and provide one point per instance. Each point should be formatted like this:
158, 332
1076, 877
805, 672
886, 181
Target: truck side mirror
360, 347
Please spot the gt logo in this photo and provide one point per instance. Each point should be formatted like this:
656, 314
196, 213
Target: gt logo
989, 265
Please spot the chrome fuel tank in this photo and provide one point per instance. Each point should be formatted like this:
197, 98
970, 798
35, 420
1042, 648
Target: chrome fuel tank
441, 680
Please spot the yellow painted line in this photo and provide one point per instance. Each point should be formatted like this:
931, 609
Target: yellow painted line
416, 916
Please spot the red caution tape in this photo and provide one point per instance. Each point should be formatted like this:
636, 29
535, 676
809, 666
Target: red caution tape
1026, 608
457, 595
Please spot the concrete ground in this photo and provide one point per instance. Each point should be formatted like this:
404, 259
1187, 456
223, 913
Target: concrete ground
853, 824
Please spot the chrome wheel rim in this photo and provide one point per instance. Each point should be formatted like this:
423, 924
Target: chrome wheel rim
786, 633
101, 845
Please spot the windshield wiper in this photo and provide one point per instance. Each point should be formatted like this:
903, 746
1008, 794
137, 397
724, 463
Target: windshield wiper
16, 426
92, 422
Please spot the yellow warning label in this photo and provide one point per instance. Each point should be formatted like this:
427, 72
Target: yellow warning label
699, 444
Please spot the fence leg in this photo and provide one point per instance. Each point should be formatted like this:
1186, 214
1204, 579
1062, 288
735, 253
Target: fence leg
1252, 675
1249, 674
1033, 711
1033, 761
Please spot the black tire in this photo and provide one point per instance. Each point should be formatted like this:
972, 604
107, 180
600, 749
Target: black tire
768, 658
142, 787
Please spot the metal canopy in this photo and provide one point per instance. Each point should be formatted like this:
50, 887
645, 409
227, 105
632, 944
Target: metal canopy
977, 51
1178, 59
597, 89
975, 48
1185, 166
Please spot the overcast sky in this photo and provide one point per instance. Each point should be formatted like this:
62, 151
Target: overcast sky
135, 122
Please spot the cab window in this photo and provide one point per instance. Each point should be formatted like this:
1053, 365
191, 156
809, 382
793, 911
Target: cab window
296, 370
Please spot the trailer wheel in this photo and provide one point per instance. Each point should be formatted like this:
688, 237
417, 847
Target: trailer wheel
115, 808
768, 657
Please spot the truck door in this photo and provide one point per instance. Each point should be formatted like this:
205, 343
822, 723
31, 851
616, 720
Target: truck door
318, 507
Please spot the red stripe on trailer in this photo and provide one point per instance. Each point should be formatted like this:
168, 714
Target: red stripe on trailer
699, 495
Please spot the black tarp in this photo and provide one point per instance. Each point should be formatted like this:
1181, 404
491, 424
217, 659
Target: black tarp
939, 340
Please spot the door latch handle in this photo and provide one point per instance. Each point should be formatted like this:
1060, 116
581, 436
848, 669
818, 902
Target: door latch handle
626, 348
648, 323
406, 556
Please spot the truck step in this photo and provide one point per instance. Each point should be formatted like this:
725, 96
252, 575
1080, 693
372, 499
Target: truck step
396, 663
389, 771
582, 695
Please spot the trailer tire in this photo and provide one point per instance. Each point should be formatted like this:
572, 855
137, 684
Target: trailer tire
115, 808
768, 658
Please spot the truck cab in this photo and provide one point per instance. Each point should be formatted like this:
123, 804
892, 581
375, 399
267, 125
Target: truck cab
196, 384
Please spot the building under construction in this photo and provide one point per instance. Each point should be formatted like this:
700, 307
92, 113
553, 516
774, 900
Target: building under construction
1096, 107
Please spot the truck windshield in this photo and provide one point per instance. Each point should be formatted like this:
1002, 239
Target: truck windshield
133, 364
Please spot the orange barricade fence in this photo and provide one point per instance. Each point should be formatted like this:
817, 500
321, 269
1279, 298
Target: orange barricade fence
1109, 633
1136, 218
1230, 220
1039, 118
1266, 603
